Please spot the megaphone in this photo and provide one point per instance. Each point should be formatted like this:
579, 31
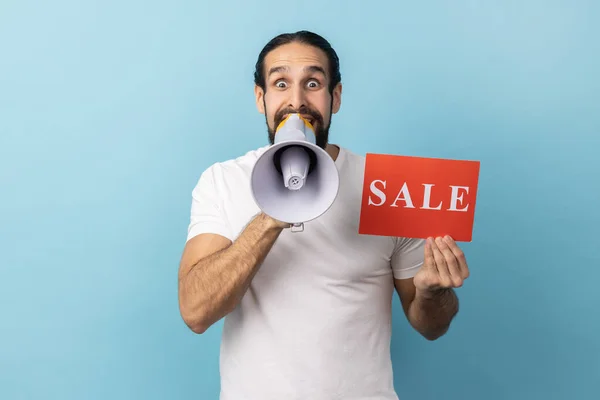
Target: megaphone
294, 180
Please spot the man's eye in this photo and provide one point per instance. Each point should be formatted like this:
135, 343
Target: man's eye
280, 84
313, 84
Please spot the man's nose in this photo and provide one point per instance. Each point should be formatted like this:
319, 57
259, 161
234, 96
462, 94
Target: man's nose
297, 98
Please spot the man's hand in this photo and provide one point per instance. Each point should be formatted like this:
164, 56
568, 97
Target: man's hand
275, 222
445, 267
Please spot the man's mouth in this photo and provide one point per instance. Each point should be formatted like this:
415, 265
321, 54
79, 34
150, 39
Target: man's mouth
308, 118
311, 120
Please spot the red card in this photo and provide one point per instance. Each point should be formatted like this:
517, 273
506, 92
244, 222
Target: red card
418, 197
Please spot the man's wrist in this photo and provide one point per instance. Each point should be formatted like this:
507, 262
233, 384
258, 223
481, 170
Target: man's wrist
271, 223
432, 294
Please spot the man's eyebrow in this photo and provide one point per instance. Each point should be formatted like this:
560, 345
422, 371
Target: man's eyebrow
281, 68
315, 68
310, 68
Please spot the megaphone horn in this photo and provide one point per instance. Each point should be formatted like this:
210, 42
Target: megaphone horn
294, 180
294, 163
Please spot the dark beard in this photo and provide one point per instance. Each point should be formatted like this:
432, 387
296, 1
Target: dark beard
321, 131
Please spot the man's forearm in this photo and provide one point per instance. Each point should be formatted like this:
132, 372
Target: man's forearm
216, 284
431, 314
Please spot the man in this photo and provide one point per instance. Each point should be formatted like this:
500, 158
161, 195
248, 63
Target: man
308, 314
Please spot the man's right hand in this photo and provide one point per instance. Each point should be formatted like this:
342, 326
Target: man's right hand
215, 272
274, 222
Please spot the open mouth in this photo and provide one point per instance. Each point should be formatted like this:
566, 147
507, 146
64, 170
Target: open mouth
308, 118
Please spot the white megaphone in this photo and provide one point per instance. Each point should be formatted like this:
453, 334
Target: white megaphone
294, 180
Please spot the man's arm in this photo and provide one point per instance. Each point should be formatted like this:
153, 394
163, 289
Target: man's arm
429, 315
214, 273
429, 300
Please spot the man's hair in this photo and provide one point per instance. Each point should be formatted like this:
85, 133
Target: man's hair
305, 37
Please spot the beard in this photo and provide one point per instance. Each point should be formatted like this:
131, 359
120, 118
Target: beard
321, 131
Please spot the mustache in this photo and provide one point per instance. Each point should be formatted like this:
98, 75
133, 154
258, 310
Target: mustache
313, 114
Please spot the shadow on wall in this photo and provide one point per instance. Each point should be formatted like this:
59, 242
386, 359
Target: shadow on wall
510, 340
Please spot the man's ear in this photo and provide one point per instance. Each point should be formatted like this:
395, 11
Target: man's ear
337, 98
259, 94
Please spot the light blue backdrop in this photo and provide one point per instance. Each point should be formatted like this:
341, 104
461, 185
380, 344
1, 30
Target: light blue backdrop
110, 110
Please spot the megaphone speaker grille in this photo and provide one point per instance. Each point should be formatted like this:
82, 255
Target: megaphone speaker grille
295, 181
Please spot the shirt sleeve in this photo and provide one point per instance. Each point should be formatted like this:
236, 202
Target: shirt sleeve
408, 257
207, 214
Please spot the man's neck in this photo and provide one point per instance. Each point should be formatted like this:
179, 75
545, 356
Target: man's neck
333, 150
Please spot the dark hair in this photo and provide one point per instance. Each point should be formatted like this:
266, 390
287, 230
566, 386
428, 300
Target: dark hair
305, 37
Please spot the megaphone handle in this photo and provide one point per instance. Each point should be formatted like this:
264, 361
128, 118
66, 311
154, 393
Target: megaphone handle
297, 227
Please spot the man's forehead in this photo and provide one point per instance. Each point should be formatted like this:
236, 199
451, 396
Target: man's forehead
296, 56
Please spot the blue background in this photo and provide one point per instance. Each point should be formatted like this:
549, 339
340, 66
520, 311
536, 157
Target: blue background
110, 110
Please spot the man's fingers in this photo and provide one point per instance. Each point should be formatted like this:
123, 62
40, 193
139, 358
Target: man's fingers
459, 255
445, 279
429, 259
451, 263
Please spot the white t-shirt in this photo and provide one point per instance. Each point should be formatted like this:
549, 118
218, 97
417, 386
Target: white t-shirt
316, 321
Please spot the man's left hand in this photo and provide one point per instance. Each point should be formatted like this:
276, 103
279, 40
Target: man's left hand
445, 267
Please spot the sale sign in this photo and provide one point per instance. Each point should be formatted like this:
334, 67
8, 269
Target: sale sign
418, 197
